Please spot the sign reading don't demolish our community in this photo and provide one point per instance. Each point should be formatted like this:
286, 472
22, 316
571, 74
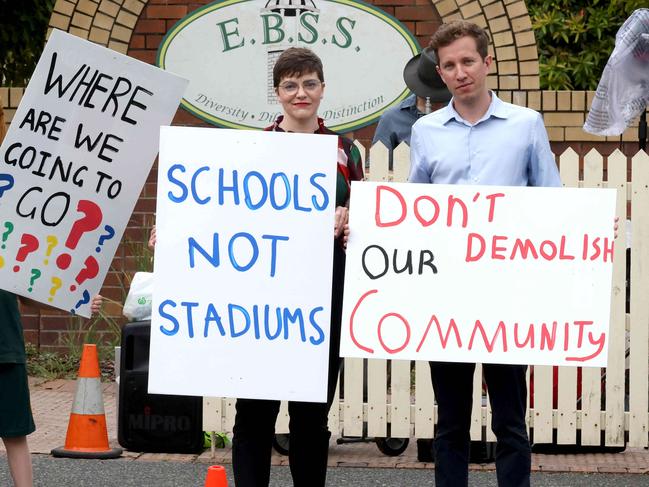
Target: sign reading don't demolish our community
479, 274
228, 49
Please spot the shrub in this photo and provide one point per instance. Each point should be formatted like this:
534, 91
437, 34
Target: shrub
575, 39
23, 25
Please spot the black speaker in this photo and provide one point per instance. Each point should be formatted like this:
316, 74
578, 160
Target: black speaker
153, 422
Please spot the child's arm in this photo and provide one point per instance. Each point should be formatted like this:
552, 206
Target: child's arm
152, 238
95, 304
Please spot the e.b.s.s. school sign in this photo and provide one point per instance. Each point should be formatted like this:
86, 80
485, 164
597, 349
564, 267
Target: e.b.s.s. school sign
228, 49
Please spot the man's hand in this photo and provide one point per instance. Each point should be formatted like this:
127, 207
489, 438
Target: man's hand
341, 219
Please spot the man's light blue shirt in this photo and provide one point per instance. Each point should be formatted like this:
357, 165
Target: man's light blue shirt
508, 146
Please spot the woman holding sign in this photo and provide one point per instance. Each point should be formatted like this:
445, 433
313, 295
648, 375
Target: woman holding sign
299, 84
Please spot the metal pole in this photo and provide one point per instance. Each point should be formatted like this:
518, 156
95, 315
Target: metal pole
642, 131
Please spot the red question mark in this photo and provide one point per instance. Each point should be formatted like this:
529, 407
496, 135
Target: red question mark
90, 270
29, 245
88, 222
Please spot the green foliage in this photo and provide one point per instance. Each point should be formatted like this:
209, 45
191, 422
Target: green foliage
23, 25
103, 329
138, 250
82, 331
53, 365
138, 257
575, 39
108, 336
50, 365
221, 440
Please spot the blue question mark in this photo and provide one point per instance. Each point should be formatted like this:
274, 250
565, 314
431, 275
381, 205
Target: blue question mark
9, 180
110, 233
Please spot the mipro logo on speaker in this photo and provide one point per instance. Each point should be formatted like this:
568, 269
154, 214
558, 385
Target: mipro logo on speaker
159, 422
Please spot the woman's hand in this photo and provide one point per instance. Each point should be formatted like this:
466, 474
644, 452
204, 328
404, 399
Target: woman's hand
345, 235
341, 219
152, 238
96, 303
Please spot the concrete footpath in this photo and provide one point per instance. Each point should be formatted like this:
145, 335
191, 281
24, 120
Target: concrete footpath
52, 401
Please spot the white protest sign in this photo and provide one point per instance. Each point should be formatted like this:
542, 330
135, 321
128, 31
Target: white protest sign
74, 161
479, 274
243, 264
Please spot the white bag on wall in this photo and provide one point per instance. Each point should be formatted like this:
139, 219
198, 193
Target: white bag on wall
137, 306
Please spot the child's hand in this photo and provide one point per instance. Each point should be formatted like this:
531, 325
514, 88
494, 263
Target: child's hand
152, 238
95, 305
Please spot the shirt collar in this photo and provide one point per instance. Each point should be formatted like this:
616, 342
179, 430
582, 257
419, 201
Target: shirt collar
497, 108
276, 128
410, 103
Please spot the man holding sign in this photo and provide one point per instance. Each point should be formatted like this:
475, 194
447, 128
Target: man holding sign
478, 140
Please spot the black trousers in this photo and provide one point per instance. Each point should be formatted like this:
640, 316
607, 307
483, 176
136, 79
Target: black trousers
254, 423
453, 385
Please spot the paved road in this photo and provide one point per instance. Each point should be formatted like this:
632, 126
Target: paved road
56, 472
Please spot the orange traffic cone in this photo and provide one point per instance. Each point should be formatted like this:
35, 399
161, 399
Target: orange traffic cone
216, 477
87, 436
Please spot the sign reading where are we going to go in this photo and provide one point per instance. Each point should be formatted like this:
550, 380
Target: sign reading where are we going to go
72, 166
227, 50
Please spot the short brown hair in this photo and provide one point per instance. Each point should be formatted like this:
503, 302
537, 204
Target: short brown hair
448, 33
296, 61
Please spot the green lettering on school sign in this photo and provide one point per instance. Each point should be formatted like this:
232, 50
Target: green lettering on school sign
227, 50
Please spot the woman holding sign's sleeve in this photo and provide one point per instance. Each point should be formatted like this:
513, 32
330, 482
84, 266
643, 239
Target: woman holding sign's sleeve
299, 84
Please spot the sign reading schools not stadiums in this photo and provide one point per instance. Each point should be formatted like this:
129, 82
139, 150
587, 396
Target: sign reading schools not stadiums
479, 274
228, 49
243, 260
74, 161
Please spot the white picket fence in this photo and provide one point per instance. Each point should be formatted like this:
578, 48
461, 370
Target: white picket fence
611, 403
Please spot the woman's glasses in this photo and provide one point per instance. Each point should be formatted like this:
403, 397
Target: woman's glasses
291, 87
